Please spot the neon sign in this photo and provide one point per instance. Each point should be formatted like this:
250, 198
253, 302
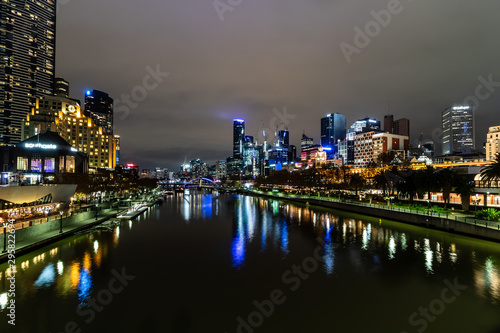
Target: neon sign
39, 145
461, 108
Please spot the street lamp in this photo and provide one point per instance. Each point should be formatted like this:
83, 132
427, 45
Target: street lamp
130, 202
96, 208
60, 222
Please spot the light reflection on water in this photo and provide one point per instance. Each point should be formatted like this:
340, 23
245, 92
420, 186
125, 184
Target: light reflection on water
268, 226
275, 219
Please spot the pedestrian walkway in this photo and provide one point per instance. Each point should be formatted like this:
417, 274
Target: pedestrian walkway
454, 216
52, 236
77, 224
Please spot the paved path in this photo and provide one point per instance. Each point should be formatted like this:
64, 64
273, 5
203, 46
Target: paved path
38, 241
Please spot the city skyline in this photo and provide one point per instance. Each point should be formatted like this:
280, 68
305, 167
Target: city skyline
285, 57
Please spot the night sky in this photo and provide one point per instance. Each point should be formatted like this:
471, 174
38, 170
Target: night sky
274, 62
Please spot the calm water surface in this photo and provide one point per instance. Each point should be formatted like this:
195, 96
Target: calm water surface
207, 263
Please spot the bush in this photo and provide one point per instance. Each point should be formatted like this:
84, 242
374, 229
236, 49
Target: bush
489, 214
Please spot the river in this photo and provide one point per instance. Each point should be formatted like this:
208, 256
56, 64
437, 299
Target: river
227, 263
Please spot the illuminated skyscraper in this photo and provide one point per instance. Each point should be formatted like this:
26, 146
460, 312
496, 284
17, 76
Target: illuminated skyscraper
458, 129
99, 107
333, 130
238, 137
27, 53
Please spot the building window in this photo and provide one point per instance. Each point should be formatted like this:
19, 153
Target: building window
36, 165
70, 164
61, 164
49, 164
22, 163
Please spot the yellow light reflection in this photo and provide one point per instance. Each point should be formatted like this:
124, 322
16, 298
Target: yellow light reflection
87, 262
25, 265
75, 274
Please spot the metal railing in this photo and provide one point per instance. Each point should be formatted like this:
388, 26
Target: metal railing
449, 216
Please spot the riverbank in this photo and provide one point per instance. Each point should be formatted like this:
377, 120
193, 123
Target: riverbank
454, 223
36, 236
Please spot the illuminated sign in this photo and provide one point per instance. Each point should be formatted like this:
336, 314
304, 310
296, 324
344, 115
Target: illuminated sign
39, 145
239, 120
455, 108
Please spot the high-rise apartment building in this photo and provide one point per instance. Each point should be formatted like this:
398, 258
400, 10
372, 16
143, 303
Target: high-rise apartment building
458, 129
333, 130
492, 141
27, 61
99, 107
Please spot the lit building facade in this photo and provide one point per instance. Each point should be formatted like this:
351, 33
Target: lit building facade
492, 141
333, 130
27, 53
220, 170
363, 149
368, 147
117, 150
238, 137
306, 141
99, 107
458, 129
251, 156
42, 159
64, 116
386, 142
347, 148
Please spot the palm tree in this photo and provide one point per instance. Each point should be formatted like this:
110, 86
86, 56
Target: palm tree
357, 181
427, 181
407, 186
464, 187
446, 179
380, 181
491, 172
385, 159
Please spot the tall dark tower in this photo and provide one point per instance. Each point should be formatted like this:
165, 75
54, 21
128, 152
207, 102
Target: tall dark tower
284, 138
238, 137
27, 53
61, 87
333, 129
99, 107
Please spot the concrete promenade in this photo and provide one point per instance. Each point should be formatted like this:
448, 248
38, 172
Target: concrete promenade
453, 222
36, 236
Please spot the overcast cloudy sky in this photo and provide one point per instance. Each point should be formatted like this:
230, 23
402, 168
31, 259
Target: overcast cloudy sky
250, 57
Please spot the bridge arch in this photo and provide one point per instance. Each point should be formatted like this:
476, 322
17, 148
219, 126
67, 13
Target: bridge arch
201, 182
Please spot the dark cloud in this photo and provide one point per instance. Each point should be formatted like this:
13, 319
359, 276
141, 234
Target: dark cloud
274, 54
